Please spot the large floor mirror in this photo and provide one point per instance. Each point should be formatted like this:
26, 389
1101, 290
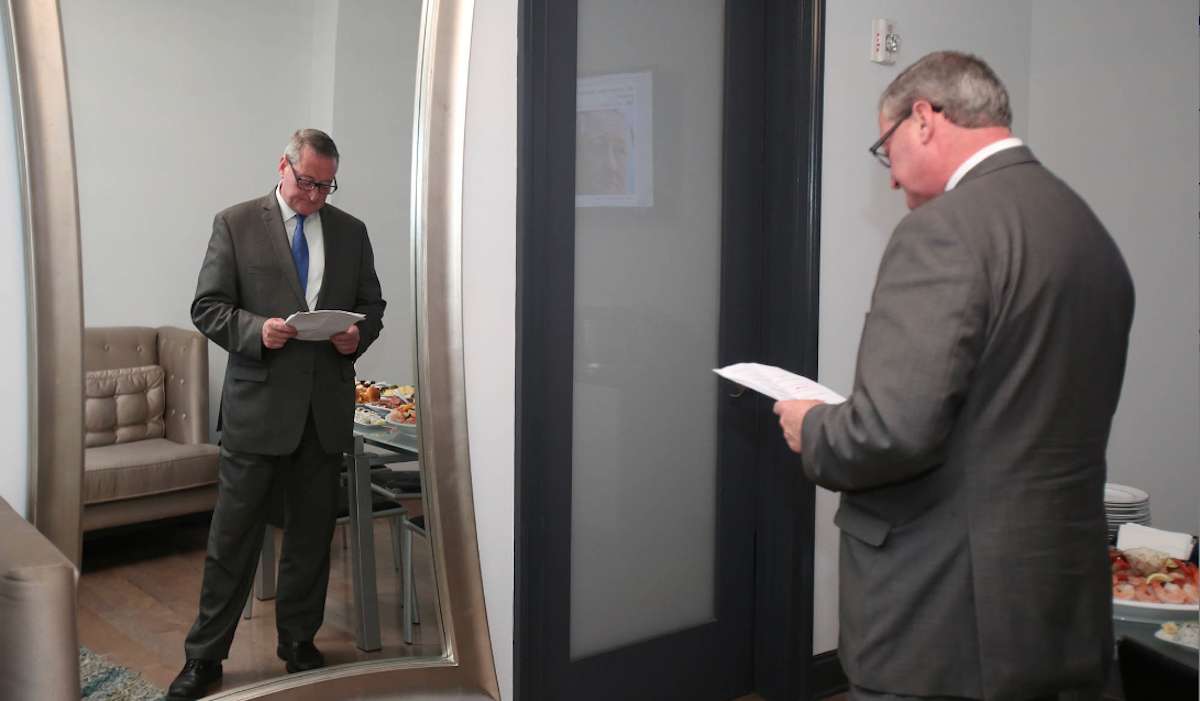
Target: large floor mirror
139, 121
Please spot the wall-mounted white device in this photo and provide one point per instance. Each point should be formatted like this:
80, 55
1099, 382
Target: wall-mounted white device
885, 42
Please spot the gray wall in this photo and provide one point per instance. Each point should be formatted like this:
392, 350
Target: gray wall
182, 109
1117, 120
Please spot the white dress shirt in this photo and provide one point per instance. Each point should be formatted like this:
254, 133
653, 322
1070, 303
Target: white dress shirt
315, 237
977, 157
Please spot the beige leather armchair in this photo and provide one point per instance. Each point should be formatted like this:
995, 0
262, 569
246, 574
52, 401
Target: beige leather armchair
146, 420
37, 607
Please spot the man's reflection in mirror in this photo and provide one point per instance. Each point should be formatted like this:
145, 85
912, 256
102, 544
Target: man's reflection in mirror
287, 404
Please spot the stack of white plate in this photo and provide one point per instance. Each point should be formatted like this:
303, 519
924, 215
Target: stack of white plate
1124, 504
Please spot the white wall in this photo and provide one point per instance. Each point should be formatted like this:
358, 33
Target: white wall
489, 307
14, 361
858, 210
1117, 120
182, 109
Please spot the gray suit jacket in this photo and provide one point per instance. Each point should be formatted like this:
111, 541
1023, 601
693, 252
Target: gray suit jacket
247, 277
971, 452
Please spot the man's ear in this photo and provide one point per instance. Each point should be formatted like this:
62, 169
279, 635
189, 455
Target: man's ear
925, 116
283, 163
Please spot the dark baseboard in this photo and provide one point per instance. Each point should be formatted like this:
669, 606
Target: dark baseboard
827, 675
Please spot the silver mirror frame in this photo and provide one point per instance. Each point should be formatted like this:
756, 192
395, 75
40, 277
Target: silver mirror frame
54, 286
466, 669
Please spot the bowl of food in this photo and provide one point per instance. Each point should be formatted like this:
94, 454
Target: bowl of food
1184, 633
366, 418
401, 392
383, 393
1148, 586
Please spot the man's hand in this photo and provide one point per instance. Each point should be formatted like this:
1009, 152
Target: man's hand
276, 332
791, 419
346, 342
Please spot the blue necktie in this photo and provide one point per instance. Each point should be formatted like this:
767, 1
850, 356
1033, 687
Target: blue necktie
300, 253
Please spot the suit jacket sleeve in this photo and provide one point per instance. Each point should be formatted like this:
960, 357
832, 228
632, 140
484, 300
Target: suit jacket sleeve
215, 309
369, 299
920, 342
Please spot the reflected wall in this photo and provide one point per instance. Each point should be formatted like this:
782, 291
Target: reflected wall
14, 356
182, 109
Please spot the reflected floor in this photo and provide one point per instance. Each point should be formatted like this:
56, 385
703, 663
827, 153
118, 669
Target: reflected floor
139, 590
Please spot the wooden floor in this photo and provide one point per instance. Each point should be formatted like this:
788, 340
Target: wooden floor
139, 590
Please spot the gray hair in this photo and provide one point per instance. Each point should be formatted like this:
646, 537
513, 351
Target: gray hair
963, 86
316, 140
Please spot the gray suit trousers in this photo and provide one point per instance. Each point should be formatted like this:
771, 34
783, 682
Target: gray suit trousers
308, 482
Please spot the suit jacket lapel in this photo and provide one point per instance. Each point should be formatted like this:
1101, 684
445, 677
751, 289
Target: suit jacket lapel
330, 269
272, 218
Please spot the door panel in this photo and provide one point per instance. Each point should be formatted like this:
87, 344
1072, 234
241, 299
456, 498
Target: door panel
646, 307
660, 527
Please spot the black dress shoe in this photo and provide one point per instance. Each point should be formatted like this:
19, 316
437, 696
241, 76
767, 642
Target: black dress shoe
301, 656
194, 680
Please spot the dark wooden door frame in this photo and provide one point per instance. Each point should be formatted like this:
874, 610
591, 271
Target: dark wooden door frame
791, 88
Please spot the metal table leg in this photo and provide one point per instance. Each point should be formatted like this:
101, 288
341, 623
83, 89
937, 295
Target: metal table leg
408, 596
362, 549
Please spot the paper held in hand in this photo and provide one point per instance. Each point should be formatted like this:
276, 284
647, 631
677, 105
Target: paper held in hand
777, 383
321, 324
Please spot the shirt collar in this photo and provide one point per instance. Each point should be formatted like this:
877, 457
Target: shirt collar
978, 157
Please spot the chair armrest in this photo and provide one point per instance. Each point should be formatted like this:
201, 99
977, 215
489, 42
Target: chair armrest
37, 606
183, 354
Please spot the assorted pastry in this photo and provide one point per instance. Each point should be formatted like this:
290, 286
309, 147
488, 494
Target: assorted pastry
366, 417
389, 403
1186, 633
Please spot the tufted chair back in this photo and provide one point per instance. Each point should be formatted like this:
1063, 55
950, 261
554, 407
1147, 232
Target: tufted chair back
183, 356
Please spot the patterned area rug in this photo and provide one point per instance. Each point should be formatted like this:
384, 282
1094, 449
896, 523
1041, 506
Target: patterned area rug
104, 681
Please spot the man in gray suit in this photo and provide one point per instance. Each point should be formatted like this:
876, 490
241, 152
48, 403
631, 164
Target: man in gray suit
287, 405
971, 452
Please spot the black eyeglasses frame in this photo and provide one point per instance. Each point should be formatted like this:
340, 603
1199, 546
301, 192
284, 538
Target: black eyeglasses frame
883, 158
308, 184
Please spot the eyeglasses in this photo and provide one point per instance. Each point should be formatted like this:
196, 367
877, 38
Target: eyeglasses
882, 156
308, 184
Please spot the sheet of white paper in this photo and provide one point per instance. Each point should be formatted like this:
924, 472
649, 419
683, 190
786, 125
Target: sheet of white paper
777, 383
321, 324
1169, 543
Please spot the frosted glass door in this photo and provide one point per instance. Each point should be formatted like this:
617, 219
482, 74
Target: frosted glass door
648, 193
